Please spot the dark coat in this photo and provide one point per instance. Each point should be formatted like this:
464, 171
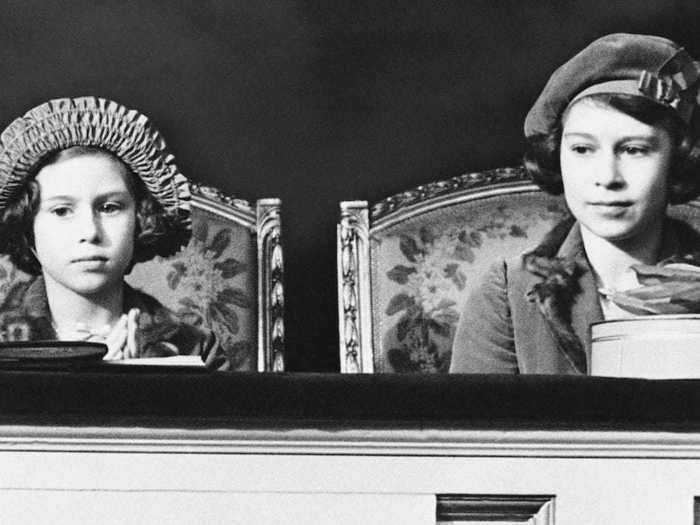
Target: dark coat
161, 333
532, 314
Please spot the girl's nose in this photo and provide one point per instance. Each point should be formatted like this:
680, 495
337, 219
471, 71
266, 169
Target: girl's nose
608, 172
89, 229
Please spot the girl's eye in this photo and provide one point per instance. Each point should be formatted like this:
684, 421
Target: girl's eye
635, 150
581, 149
110, 207
60, 211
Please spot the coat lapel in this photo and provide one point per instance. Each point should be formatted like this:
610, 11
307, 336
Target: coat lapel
564, 290
585, 309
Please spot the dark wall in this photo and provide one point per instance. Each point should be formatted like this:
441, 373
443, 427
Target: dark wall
316, 102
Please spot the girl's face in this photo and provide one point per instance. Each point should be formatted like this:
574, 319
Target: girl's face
85, 227
615, 171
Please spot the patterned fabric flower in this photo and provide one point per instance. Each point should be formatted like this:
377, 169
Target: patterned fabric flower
204, 274
13, 285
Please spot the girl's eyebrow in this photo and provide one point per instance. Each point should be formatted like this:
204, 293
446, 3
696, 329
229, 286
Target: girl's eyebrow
582, 134
579, 134
58, 198
115, 193
652, 139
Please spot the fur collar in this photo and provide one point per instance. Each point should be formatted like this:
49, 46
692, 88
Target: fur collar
556, 289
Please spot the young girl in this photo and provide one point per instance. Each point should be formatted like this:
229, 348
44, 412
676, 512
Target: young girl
615, 129
88, 189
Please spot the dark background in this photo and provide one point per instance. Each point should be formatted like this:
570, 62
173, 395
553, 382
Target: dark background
316, 102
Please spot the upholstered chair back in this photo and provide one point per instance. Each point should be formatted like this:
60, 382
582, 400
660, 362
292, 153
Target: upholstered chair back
407, 265
228, 278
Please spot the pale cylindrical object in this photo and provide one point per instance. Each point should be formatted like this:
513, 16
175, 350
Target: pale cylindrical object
652, 347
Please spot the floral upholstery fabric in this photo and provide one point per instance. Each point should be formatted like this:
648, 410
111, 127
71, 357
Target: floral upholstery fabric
423, 269
212, 282
13, 284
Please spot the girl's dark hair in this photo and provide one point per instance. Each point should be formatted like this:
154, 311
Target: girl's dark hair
157, 233
542, 151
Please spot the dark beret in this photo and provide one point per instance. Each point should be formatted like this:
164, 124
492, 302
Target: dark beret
644, 65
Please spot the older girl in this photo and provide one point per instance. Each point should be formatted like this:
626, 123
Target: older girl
615, 129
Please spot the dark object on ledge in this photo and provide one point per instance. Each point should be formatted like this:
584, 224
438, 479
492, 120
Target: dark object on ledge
49, 354
149, 396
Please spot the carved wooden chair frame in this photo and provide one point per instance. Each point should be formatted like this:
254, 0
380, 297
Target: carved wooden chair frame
358, 223
263, 220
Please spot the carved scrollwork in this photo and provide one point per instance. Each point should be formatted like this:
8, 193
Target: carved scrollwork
217, 195
431, 190
353, 288
270, 286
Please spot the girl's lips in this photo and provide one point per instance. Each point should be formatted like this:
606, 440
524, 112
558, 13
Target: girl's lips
611, 209
612, 204
91, 263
